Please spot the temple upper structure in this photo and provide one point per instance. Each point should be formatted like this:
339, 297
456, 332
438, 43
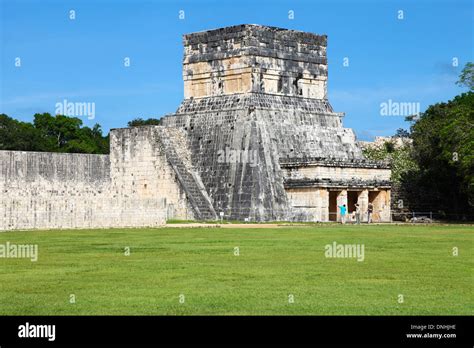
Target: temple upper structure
253, 58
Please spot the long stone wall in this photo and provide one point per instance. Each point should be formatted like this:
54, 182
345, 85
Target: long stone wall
133, 187
51, 190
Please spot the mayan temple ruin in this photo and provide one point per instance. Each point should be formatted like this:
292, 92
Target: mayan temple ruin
255, 139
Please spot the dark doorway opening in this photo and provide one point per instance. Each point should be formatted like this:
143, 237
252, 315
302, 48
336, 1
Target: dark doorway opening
373, 197
333, 205
352, 197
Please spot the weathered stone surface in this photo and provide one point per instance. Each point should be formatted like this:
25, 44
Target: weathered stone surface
53, 190
133, 187
253, 58
140, 168
262, 90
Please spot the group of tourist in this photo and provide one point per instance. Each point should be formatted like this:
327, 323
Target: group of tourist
343, 213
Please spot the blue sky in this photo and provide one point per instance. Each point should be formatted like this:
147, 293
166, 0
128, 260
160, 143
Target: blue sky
81, 60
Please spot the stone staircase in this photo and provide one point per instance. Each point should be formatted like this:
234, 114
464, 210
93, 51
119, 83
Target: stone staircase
175, 142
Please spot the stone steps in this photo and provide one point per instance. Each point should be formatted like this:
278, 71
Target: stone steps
175, 142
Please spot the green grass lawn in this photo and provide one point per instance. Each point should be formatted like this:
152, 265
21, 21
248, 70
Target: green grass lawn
414, 261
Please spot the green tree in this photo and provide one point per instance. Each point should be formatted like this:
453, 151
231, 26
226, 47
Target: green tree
66, 134
20, 136
443, 148
402, 133
400, 158
57, 130
466, 79
137, 122
53, 134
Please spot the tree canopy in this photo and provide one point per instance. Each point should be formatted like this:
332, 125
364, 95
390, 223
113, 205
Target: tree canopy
58, 133
53, 134
137, 122
466, 79
443, 148
437, 169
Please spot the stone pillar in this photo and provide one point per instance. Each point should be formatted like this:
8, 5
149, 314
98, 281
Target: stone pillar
363, 201
383, 206
324, 205
341, 199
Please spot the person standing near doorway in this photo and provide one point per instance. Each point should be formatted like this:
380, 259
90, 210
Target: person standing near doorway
357, 213
370, 210
342, 211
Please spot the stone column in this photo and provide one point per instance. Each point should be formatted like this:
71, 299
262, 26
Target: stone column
324, 205
363, 201
341, 199
384, 206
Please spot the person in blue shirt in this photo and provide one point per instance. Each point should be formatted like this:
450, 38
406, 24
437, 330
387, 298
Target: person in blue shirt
342, 211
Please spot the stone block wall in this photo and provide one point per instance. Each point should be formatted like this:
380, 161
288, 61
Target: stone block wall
309, 204
253, 58
337, 173
140, 169
56, 190
133, 187
35, 188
